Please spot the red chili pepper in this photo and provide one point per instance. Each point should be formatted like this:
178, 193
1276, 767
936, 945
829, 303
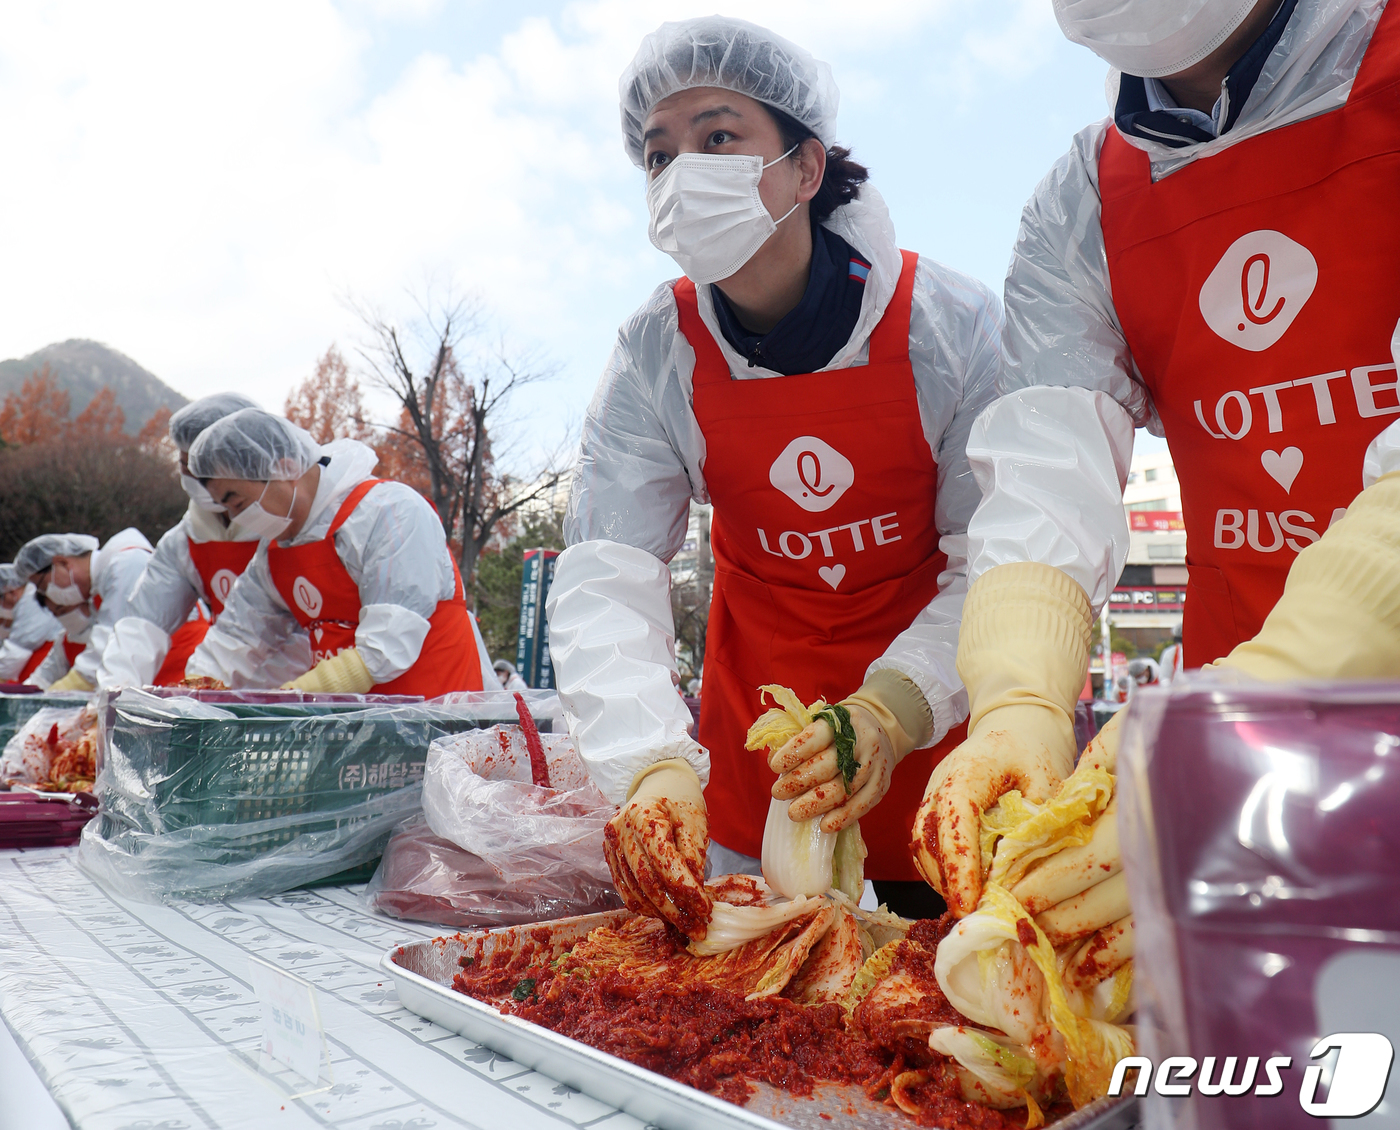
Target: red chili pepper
539, 767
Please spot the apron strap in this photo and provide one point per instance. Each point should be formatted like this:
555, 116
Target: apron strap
889, 343
710, 365
352, 500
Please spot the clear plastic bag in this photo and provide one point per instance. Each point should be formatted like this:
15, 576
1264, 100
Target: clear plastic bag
1261, 838
478, 793
218, 795
426, 878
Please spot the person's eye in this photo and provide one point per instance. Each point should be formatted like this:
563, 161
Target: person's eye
656, 159
720, 137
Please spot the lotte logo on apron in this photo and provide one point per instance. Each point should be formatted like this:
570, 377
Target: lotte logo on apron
812, 473
221, 583
307, 596
1260, 285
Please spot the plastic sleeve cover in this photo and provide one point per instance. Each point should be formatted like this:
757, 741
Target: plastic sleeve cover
611, 638
1061, 325
642, 449
955, 334
1052, 463
34, 624
394, 549
53, 667
116, 571
255, 626
170, 585
134, 654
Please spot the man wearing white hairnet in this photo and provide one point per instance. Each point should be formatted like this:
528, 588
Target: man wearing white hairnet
359, 564
27, 629
197, 560
89, 590
816, 385
1218, 262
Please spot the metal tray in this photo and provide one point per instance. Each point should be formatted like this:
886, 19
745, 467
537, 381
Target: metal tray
422, 973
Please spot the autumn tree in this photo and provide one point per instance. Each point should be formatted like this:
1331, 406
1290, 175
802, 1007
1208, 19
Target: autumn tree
38, 412
454, 396
102, 419
328, 404
154, 436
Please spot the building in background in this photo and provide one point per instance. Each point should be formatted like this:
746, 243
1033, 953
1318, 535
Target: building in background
1145, 609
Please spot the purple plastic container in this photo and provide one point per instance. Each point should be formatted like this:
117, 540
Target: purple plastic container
1261, 835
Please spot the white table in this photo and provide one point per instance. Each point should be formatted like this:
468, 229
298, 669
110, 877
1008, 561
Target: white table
141, 1017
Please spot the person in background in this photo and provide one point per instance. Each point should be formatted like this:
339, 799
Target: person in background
1172, 661
360, 564
1218, 261
89, 589
509, 676
816, 384
27, 629
196, 561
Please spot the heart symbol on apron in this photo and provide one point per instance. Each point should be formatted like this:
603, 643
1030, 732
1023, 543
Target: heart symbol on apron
1283, 466
318, 634
832, 574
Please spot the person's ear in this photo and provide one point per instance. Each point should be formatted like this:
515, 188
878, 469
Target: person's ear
811, 160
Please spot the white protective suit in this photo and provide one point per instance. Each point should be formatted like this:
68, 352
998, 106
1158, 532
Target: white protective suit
115, 568
34, 625
1052, 455
393, 547
164, 599
642, 463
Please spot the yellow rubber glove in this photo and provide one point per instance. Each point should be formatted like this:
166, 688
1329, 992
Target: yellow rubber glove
656, 847
344, 673
1023, 651
891, 719
1338, 618
71, 682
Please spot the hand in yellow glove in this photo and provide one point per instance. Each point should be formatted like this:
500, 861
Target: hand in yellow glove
1022, 653
1338, 618
890, 718
342, 673
71, 682
656, 847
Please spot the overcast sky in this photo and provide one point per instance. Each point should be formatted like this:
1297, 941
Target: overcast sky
197, 185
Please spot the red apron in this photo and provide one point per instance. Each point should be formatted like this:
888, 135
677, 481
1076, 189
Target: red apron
220, 564
326, 602
1258, 289
825, 549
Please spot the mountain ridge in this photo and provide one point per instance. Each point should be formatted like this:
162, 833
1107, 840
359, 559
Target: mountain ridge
83, 368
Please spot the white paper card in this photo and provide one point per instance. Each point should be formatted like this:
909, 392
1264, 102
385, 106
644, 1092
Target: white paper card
291, 1020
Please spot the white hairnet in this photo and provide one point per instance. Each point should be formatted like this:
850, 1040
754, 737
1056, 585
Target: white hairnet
192, 419
1151, 38
37, 554
11, 578
731, 54
254, 445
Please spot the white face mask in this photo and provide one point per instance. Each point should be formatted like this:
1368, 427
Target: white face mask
75, 622
706, 213
64, 594
256, 522
6, 614
199, 494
